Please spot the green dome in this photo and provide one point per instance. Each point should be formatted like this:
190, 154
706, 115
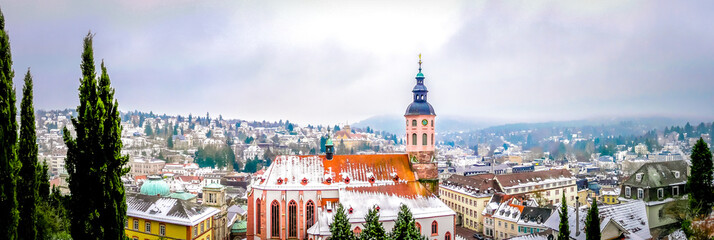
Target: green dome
329, 142
420, 75
155, 186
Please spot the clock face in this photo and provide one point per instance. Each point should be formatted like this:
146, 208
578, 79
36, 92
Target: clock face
424, 122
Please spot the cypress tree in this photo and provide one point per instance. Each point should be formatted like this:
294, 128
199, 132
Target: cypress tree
94, 162
373, 229
340, 228
592, 223
43, 180
404, 227
27, 153
700, 181
564, 228
9, 164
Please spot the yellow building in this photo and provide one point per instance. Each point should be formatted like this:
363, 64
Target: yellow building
609, 196
155, 217
468, 196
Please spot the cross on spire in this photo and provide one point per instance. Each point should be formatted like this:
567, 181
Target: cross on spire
419, 62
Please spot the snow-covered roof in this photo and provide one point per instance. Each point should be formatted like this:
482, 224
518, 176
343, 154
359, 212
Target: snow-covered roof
420, 201
314, 171
632, 217
168, 210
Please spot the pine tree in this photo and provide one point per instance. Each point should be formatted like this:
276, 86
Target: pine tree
592, 223
373, 229
9, 164
340, 228
699, 183
404, 227
170, 142
148, 130
97, 205
564, 228
27, 185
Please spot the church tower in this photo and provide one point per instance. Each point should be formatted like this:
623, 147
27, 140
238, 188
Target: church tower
420, 131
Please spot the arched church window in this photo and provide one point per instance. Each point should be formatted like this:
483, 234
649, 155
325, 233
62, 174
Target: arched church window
423, 139
414, 138
292, 218
257, 216
434, 228
310, 218
275, 219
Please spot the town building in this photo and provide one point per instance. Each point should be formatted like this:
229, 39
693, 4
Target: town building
656, 183
622, 221
140, 166
295, 197
547, 185
468, 196
152, 215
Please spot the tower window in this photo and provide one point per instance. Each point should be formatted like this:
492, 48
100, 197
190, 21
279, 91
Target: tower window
414, 137
423, 139
414, 123
432, 123
432, 139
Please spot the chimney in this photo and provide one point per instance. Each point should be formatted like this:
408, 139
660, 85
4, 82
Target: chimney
577, 216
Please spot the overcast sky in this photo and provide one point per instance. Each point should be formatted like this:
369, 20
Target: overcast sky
337, 61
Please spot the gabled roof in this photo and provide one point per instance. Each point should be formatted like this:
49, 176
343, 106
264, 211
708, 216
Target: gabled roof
657, 174
513, 179
630, 217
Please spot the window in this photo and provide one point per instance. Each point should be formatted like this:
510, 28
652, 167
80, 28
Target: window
357, 230
447, 236
418, 226
195, 230
660, 193
414, 138
639, 177
202, 228
414, 123
126, 223
135, 238
292, 218
275, 219
512, 226
257, 216
147, 227
423, 139
432, 139
136, 224
162, 229
675, 191
310, 218
676, 174
628, 192
434, 228
640, 193
432, 125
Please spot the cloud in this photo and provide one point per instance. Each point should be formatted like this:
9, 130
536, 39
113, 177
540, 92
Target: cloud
328, 62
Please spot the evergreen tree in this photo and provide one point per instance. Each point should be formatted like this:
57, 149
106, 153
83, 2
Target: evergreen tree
592, 223
170, 142
97, 205
699, 183
9, 164
373, 229
404, 227
564, 228
340, 228
27, 153
43, 179
148, 130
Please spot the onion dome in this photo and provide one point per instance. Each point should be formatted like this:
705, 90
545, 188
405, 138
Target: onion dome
420, 106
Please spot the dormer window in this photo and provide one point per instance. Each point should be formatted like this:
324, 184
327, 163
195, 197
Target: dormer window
638, 177
328, 180
351, 210
280, 181
372, 179
347, 180
377, 208
676, 174
304, 181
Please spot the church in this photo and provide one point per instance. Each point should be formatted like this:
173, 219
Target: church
296, 196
